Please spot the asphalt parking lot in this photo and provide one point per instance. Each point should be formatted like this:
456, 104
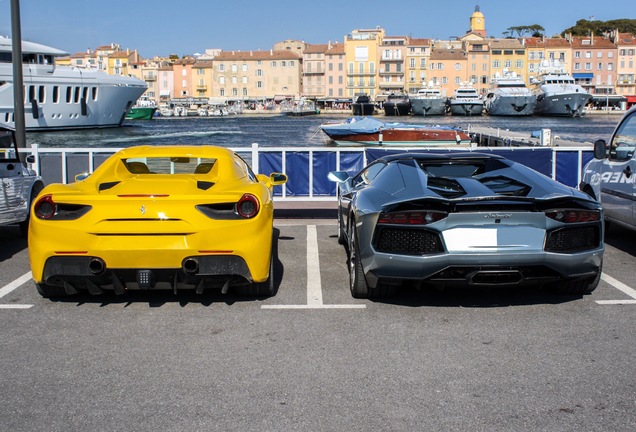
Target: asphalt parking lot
312, 358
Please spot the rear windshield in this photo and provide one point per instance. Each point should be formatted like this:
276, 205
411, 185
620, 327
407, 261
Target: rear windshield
169, 165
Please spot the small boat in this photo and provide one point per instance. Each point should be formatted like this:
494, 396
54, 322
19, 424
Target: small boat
466, 101
397, 105
557, 93
368, 131
144, 109
300, 107
509, 96
363, 106
428, 101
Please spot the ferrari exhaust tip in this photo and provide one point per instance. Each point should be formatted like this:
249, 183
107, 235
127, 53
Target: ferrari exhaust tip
97, 266
190, 265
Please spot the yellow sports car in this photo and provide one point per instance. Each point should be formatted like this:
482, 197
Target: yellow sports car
171, 217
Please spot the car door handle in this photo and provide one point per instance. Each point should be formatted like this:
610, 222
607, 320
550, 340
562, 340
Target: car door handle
627, 171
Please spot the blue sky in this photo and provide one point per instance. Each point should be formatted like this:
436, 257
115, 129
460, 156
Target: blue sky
163, 27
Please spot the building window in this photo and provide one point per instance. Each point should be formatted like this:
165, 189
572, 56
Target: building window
244, 67
221, 67
234, 68
458, 66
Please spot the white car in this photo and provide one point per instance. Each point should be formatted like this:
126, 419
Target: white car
611, 176
20, 185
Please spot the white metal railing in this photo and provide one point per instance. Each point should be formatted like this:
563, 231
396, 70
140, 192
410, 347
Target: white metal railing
251, 155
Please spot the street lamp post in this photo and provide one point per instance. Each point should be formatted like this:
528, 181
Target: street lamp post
18, 80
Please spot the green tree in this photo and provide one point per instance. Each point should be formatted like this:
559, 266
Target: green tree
522, 31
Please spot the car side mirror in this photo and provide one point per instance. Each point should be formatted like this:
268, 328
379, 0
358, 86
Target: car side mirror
277, 179
30, 159
338, 176
82, 176
600, 149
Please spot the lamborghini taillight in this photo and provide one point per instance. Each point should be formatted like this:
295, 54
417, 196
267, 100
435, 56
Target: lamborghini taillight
574, 215
411, 217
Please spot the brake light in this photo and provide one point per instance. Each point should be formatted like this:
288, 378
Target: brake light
248, 206
574, 215
45, 208
411, 217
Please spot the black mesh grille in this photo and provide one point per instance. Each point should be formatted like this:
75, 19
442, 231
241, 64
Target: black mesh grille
405, 241
573, 239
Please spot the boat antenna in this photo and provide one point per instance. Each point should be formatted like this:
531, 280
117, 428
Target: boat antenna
18, 79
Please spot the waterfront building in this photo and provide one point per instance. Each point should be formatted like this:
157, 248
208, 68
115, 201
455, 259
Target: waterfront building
362, 49
594, 63
626, 65
448, 68
553, 49
418, 53
257, 75
507, 55
335, 72
202, 73
182, 73
313, 83
478, 60
165, 83
392, 54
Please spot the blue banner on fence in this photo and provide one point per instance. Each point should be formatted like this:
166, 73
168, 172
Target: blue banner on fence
297, 169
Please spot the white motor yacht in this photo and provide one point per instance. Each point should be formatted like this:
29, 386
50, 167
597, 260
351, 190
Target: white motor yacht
557, 93
466, 101
428, 101
64, 97
509, 96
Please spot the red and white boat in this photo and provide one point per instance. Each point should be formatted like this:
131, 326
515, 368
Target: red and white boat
368, 131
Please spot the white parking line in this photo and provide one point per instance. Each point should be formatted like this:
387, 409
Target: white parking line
619, 286
314, 284
12, 286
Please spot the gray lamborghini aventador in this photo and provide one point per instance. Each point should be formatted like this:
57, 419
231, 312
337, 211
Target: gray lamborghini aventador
467, 218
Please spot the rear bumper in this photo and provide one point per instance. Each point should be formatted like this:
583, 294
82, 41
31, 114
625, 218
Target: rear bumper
90, 273
483, 269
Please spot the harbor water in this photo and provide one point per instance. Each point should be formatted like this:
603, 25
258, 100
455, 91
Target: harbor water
278, 130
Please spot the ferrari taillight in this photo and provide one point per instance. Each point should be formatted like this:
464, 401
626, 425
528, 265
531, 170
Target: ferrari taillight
574, 215
411, 217
45, 208
248, 206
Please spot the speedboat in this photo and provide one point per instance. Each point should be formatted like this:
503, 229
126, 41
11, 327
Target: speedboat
64, 97
428, 101
557, 93
368, 131
509, 96
466, 101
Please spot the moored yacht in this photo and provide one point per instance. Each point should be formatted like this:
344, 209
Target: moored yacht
466, 101
509, 96
64, 97
428, 101
557, 93
397, 105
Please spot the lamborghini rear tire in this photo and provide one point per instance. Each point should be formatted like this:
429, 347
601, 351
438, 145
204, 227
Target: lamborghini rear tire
357, 281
